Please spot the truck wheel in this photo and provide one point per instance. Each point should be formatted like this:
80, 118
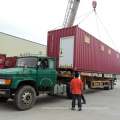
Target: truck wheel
25, 97
112, 84
3, 99
69, 95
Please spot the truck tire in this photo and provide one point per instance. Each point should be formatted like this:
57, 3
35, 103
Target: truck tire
89, 84
69, 95
3, 99
112, 84
25, 97
109, 86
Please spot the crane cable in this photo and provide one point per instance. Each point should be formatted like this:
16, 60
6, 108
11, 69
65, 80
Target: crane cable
107, 32
96, 15
97, 25
94, 3
84, 14
75, 19
85, 17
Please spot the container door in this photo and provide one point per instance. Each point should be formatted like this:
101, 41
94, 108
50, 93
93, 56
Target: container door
66, 52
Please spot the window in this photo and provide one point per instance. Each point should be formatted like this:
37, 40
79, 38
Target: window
51, 64
29, 61
44, 63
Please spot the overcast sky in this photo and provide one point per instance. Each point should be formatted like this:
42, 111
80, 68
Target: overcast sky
31, 19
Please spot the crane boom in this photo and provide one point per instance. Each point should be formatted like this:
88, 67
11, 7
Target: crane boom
71, 13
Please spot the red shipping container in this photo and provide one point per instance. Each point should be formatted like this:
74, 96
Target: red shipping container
2, 59
10, 62
2, 56
1, 64
74, 48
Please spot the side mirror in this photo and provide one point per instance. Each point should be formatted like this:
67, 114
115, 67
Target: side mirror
25, 67
38, 64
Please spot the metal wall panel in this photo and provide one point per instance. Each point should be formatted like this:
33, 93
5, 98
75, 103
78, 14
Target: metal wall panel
88, 54
14, 46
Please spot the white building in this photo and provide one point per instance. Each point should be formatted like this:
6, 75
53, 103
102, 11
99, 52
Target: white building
14, 46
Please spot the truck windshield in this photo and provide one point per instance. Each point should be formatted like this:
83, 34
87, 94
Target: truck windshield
30, 62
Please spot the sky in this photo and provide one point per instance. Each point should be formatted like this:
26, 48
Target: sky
32, 19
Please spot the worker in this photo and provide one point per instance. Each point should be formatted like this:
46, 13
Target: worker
76, 87
82, 97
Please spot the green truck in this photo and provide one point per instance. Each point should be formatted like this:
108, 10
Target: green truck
32, 75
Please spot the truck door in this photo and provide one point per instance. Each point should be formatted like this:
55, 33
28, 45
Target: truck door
66, 52
47, 73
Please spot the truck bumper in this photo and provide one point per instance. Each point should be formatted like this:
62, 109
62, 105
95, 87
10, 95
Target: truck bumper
4, 92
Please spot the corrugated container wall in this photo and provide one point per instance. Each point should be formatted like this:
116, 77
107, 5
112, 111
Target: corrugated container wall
90, 54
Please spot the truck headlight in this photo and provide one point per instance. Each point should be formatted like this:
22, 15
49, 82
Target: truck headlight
4, 82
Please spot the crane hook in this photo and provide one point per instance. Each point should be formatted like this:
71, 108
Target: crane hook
94, 4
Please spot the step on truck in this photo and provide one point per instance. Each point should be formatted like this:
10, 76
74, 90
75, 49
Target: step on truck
68, 50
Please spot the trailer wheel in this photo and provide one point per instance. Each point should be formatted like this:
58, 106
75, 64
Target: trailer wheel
3, 99
112, 84
109, 86
89, 84
25, 97
69, 95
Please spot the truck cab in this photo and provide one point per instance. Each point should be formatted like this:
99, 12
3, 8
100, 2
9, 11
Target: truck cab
31, 75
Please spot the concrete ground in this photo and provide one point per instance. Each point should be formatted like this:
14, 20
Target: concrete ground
101, 105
